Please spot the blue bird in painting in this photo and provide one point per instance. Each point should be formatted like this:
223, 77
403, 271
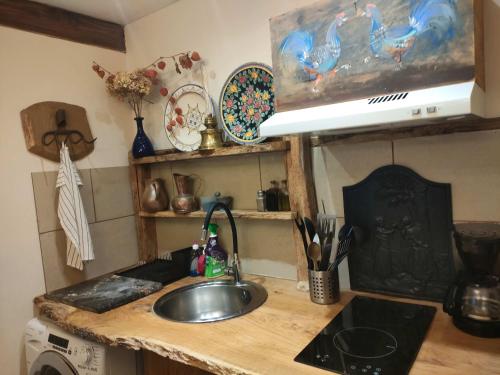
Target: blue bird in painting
432, 18
314, 57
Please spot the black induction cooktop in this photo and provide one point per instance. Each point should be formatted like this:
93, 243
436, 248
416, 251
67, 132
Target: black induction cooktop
370, 336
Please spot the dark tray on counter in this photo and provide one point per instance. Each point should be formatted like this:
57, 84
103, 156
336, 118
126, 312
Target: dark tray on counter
164, 271
104, 293
107, 292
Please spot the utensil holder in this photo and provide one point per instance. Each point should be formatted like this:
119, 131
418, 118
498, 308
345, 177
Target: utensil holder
324, 287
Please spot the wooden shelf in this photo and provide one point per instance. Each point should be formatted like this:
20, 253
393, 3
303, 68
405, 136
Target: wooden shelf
174, 155
238, 214
455, 126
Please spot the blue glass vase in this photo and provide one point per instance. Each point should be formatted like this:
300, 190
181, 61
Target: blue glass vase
142, 145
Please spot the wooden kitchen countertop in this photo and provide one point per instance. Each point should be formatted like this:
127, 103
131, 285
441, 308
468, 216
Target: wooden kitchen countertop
266, 340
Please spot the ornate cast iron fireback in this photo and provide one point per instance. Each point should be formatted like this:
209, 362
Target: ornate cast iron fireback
407, 223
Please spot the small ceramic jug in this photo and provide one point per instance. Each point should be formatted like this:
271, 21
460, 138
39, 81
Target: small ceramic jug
154, 197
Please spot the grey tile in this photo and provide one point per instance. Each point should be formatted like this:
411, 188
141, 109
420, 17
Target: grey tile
470, 162
177, 234
345, 165
261, 239
112, 193
57, 274
265, 247
46, 194
272, 167
238, 177
115, 247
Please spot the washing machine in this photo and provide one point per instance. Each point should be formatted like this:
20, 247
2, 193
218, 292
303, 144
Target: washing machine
52, 351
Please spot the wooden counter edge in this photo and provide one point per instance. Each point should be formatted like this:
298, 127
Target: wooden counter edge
58, 313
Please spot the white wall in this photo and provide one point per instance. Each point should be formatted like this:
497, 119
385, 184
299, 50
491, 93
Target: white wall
36, 68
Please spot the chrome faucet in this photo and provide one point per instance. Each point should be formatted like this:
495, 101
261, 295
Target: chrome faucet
235, 266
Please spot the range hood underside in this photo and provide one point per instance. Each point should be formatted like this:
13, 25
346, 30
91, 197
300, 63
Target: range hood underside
420, 107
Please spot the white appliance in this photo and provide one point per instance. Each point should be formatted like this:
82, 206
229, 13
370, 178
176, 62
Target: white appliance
51, 351
400, 109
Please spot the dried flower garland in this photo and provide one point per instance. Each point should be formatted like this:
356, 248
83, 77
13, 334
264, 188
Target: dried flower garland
133, 87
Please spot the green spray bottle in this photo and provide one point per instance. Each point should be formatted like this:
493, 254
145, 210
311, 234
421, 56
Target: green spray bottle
216, 256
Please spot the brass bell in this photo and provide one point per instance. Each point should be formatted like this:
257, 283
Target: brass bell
211, 137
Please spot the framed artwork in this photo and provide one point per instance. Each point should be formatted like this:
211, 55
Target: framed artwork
340, 50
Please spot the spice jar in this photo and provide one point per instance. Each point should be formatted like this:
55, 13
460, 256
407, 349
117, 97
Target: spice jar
261, 201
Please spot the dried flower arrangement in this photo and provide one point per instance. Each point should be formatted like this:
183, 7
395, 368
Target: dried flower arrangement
133, 87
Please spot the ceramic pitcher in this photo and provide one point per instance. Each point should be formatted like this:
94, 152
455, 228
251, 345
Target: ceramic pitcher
154, 197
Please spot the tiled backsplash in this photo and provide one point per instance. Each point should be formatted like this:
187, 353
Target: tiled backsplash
468, 161
107, 201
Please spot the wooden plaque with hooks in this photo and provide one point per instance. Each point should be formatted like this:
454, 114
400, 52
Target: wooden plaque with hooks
40, 119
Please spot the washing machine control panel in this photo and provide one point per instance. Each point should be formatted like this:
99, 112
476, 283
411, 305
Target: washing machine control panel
87, 358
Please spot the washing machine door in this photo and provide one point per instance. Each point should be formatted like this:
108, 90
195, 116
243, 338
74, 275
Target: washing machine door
52, 363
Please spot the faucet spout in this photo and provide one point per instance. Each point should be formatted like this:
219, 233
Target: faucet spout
235, 267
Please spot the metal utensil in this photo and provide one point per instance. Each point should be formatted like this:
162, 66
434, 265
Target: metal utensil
327, 251
314, 253
345, 239
302, 229
325, 225
311, 231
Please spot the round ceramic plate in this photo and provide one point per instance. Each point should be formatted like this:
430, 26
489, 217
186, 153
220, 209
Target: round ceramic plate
184, 114
247, 100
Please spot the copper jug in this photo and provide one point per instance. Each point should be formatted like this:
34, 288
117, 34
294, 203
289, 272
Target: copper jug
154, 197
185, 202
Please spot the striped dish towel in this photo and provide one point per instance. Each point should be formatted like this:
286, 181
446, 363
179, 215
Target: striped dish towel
79, 246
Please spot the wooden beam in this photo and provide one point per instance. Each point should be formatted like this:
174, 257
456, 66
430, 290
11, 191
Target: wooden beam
461, 126
44, 19
302, 196
146, 226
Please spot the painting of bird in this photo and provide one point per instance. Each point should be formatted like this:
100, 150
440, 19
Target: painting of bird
334, 51
434, 19
315, 56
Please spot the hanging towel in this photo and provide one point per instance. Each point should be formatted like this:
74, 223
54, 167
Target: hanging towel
71, 214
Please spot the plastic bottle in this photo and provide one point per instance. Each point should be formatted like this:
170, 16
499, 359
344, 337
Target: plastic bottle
261, 201
216, 256
202, 262
195, 253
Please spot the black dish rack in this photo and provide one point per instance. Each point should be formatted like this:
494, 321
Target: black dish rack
164, 271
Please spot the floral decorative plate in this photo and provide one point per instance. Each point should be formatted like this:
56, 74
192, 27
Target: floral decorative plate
184, 114
247, 100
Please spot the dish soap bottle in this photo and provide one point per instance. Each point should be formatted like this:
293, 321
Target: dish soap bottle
216, 256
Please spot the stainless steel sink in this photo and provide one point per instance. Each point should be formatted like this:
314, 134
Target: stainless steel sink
210, 301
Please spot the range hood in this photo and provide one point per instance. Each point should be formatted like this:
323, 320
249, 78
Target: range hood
400, 109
